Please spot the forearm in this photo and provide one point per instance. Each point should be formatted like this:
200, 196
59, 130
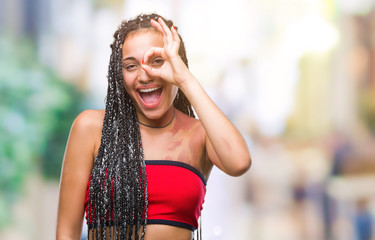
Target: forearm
226, 140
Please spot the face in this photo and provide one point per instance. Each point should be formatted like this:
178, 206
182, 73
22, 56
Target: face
154, 99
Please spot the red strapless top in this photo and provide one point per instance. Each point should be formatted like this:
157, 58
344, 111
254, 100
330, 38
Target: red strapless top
176, 193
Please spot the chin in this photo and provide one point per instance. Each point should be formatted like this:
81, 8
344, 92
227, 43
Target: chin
153, 114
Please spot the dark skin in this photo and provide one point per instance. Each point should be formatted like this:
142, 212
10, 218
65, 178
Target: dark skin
151, 62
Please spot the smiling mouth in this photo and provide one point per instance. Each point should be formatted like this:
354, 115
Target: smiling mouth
150, 97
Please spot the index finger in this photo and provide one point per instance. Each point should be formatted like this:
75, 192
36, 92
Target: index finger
152, 51
166, 30
167, 39
157, 26
165, 27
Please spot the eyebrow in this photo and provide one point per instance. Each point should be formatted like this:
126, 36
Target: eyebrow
129, 58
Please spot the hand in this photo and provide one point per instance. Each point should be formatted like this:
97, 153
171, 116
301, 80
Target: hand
173, 70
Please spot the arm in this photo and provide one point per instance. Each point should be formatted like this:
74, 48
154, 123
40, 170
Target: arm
77, 165
225, 146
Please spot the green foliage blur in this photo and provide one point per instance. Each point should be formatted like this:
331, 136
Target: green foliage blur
37, 109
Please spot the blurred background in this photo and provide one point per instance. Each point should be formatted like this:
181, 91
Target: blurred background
296, 76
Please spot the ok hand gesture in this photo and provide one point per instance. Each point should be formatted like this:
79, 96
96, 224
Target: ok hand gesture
173, 70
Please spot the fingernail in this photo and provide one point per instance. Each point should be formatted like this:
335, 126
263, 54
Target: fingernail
174, 28
143, 61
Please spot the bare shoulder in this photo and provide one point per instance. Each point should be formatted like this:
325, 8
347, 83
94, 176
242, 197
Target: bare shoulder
197, 145
189, 124
90, 119
88, 127
190, 129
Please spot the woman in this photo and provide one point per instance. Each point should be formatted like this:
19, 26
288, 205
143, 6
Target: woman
139, 168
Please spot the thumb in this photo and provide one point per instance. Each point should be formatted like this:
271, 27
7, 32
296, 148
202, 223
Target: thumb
151, 71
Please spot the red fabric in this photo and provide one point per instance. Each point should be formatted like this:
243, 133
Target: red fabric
175, 193
87, 202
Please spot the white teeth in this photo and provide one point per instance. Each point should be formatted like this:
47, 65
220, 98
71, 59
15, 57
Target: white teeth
148, 90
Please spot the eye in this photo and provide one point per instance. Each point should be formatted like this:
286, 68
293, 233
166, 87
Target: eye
130, 67
157, 62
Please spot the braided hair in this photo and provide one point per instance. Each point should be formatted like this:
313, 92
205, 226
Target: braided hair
118, 181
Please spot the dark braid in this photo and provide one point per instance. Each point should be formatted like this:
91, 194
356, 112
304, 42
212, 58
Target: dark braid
118, 179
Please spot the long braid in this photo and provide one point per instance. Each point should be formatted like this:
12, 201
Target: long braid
118, 188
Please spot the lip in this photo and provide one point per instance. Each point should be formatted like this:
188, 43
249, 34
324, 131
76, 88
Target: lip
148, 86
151, 86
148, 89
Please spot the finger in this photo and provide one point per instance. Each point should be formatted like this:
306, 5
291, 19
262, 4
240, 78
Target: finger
166, 30
176, 40
175, 34
157, 26
152, 72
151, 52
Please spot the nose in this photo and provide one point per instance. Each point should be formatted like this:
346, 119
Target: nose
143, 77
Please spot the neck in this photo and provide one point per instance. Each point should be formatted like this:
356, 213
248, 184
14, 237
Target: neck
163, 125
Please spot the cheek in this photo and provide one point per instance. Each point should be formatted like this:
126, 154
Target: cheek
128, 81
